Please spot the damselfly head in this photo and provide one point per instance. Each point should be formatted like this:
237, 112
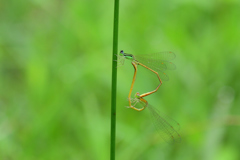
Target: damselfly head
122, 52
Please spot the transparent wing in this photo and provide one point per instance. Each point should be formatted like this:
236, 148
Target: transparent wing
158, 62
166, 126
164, 56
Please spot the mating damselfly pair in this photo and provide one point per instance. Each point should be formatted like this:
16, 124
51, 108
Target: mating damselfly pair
156, 63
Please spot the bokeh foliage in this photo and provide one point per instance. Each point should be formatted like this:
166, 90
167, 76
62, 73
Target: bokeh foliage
55, 78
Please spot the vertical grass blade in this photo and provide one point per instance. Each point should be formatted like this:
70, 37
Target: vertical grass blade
114, 80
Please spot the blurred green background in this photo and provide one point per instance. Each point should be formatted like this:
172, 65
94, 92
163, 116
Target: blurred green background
55, 79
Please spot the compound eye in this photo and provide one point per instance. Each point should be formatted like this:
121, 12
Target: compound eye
121, 51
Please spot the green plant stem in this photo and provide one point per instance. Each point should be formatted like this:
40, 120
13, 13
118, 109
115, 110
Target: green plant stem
114, 79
